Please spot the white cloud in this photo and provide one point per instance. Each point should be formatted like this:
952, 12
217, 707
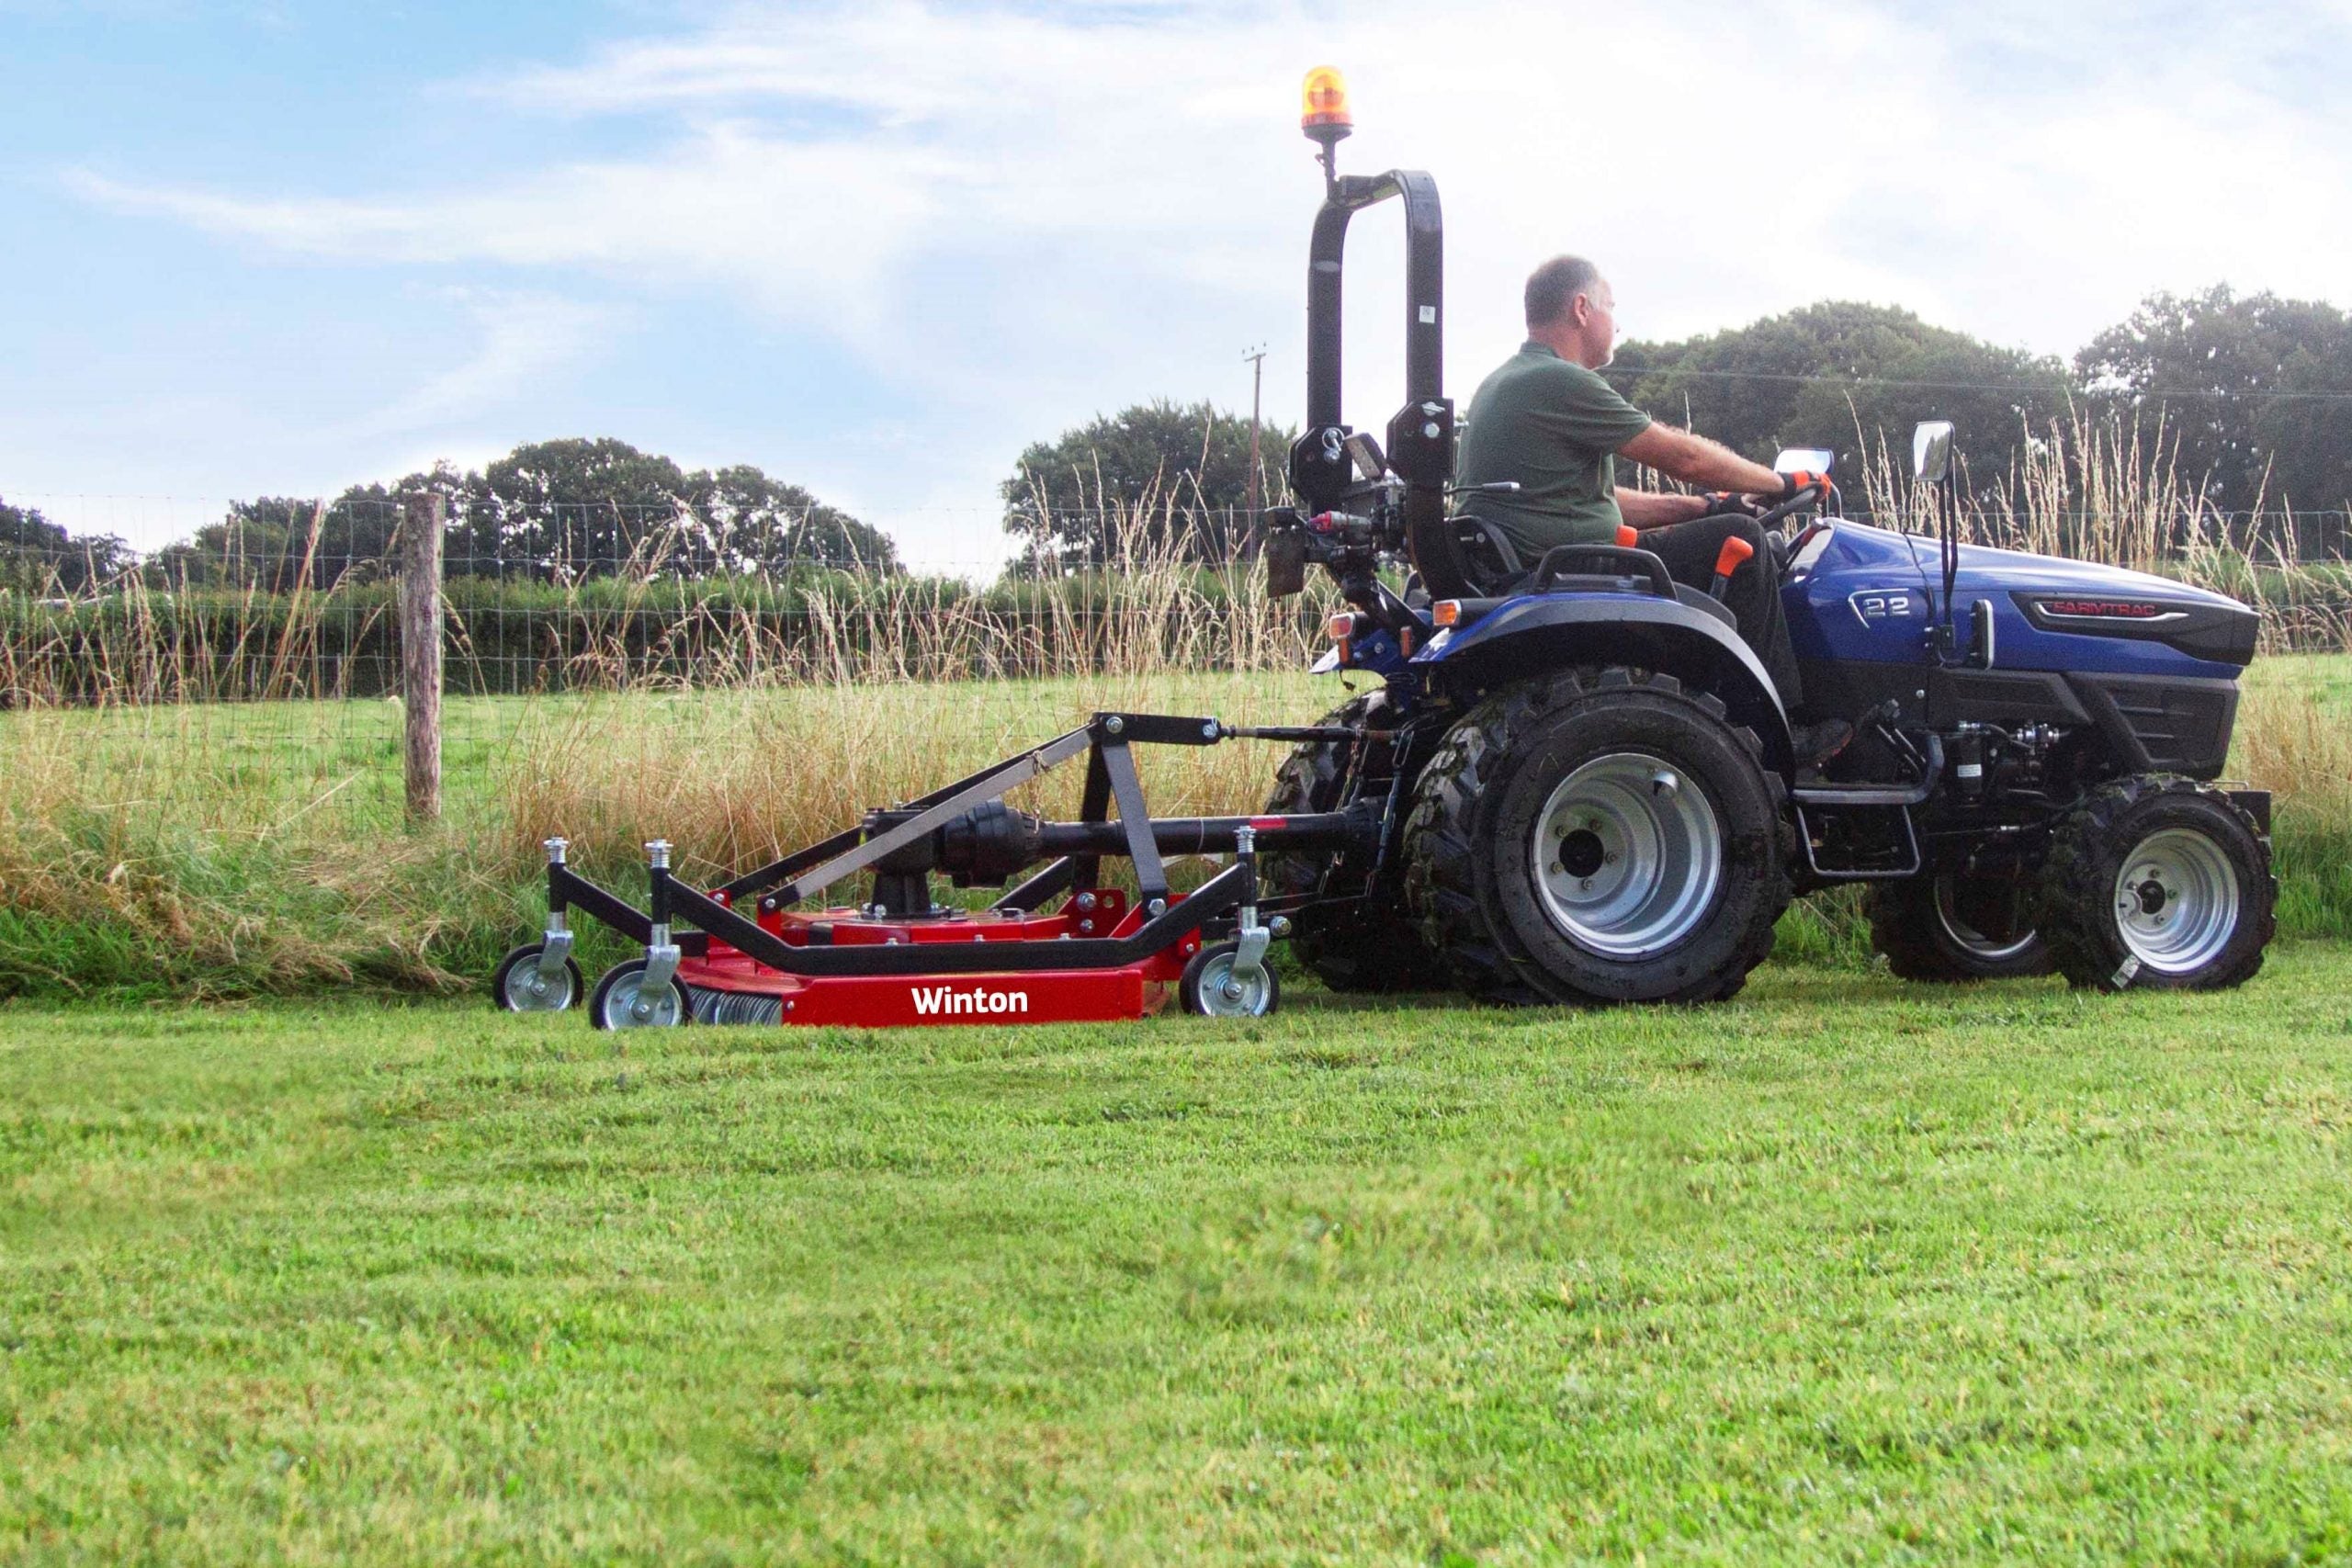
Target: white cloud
524, 339
1025, 217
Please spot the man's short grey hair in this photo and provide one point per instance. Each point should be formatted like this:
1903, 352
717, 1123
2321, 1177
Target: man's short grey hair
1553, 287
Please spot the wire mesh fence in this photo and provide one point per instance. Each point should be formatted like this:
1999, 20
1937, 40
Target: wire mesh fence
303, 605
609, 599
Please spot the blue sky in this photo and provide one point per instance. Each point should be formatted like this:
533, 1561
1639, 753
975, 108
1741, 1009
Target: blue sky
878, 247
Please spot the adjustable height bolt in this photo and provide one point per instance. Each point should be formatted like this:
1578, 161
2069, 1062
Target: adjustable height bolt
555, 848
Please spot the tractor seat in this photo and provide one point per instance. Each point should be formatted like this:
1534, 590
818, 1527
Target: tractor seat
1493, 566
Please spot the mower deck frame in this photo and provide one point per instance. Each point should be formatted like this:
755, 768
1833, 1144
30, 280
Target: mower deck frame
747, 955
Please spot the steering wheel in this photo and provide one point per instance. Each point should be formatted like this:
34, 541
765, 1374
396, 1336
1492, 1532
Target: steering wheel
1813, 494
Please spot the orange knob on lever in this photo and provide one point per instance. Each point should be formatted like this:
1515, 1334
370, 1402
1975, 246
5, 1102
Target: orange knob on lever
1727, 560
1627, 535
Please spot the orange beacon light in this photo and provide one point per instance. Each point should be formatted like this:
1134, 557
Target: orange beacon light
1324, 99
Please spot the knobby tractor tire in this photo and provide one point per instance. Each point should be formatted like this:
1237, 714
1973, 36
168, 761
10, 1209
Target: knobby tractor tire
1955, 926
1369, 946
1472, 870
2159, 883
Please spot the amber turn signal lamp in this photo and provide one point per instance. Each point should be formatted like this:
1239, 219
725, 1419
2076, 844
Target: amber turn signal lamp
1446, 612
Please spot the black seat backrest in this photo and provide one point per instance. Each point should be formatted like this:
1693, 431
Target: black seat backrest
1461, 556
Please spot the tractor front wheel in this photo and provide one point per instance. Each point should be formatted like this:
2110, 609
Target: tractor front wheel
1957, 925
2161, 883
1597, 837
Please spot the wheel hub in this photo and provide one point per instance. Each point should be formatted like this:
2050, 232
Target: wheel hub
633, 1006
2176, 901
529, 989
1224, 996
1627, 855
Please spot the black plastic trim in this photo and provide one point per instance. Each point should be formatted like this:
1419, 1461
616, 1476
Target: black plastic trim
2222, 633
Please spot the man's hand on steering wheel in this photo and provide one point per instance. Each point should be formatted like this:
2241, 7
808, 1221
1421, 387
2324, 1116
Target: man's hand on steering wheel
1794, 484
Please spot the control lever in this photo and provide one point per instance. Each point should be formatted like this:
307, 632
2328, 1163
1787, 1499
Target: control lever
1730, 559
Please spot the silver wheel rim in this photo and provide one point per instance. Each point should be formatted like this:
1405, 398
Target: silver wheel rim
2176, 900
1221, 996
1627, 855
528, 990
621, 999
1967, 937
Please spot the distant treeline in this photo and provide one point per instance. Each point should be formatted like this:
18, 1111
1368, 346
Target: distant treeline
220, 644
2243, 402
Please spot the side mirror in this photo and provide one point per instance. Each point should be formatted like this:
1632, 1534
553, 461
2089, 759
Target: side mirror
1931, 451
1803, 461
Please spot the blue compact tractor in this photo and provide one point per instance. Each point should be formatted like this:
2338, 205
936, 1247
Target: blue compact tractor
1584, 779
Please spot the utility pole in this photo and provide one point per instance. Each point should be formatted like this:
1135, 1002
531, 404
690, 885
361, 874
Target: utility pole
1257, 358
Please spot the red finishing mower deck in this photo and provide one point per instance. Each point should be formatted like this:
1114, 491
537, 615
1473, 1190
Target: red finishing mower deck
729, 986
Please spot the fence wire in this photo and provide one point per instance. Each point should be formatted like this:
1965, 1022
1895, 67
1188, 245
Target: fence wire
303, 605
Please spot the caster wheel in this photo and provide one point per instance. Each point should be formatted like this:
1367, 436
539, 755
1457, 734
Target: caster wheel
1209, 989
518, 986
622, 1002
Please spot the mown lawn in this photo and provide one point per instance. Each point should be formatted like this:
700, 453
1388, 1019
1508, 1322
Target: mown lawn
1842, 1272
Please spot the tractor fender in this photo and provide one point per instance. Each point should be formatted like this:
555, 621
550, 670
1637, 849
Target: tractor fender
1542, 632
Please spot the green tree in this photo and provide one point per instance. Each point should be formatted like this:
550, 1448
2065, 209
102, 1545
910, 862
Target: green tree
551, 509
581, 508
37, 555
1846, 377
278, 543
1152, 477
746, 522
2211, 367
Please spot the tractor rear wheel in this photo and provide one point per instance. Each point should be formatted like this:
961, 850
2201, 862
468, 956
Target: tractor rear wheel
1956, 926
2161, 883
1601, 836
1372, 945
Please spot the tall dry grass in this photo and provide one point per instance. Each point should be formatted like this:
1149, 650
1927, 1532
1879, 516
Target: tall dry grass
194, 829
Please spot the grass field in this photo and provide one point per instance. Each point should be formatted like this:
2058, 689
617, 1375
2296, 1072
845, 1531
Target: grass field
226, 850
1843, 1271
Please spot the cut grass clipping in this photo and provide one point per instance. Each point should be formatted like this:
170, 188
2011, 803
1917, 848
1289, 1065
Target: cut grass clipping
1840, 1272
227, 849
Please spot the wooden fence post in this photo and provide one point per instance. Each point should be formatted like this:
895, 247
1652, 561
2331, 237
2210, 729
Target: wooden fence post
421, 654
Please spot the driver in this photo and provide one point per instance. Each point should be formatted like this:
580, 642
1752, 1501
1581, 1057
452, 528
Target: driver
1547, 421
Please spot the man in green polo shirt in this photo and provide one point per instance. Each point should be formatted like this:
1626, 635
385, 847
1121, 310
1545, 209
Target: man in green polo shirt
1546, 421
